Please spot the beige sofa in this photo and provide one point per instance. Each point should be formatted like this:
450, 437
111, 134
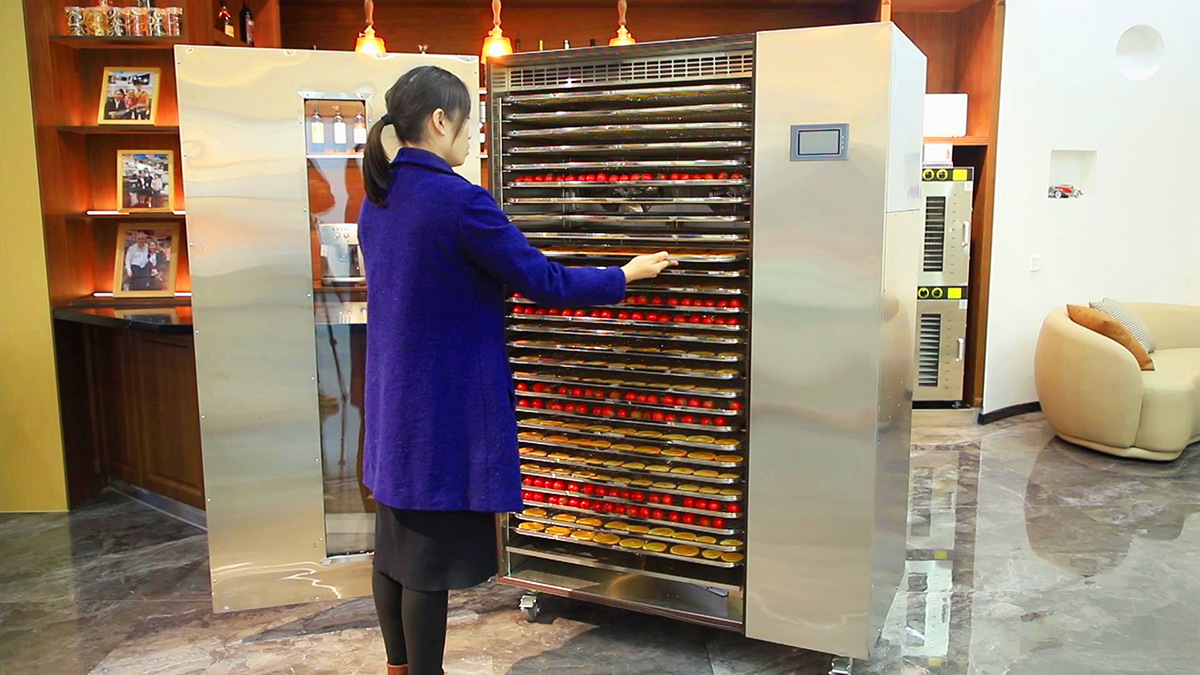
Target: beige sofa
1094, 394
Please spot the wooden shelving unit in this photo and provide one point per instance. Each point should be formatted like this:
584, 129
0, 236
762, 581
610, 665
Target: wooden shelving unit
978, 141
117, 388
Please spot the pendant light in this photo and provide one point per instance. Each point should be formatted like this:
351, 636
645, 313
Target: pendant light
367, 42
495, 44
623, 36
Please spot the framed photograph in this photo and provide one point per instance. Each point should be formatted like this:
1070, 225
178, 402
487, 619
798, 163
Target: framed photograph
145, 180
129, 95
146, 261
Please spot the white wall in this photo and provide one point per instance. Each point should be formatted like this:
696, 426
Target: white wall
1133, 236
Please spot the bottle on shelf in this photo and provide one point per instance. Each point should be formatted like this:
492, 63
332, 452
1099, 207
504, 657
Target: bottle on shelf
517, 45
145, 3
247, 20
541, 46
360, 129
316, 131
566, 44
339, 128
592, 42
225, 20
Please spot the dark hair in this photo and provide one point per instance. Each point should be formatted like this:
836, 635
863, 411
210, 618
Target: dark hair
410, 102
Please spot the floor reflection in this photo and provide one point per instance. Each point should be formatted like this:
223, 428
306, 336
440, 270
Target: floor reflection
1025, 555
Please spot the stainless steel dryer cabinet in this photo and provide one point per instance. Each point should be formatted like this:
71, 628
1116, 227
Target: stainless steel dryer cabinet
750, 444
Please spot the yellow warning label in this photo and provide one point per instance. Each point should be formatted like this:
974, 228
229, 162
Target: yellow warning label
954, 293
940, 555
960, 174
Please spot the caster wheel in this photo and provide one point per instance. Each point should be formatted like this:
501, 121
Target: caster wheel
530, 606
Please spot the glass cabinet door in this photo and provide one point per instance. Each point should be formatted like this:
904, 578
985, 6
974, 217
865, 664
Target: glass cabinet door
335, 134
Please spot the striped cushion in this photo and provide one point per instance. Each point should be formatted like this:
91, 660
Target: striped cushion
1132, 322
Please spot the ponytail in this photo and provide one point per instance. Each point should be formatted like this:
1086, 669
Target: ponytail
410, 102
377, 170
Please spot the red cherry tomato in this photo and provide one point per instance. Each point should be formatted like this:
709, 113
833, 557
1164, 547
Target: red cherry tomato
620, 509
668, 500
673, 517
718, 523
688, 519
661, 176
700, 504
707, 320
675, 176
647, 176
657, 514
585, 503
689, 502
613, 178
723, 175
657, 416
572, 487
601, 490
652, 316
609, 507
721, 421
709, 176
735, 405
686, 302
537, 404
652, 399
606, 314
722, 303
630, 396
558, 485
694, 402
641, 398
599, 177
588, 489
687, 419
709, 404
705, 420
654, 498
538, 179
710, 303
624, 316
636, 316
704, 521
674, 302
527, 480
644, 512
624, 494
656, 301
669, 417
693, 318
733, 507
736, 176
714, 506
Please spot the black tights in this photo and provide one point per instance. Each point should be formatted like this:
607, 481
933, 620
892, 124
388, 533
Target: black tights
413, 623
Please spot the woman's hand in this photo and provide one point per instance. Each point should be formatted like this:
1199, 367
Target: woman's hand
647, 266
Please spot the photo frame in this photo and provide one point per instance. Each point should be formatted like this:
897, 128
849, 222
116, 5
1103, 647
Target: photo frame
129, 95
145, 181
147, 260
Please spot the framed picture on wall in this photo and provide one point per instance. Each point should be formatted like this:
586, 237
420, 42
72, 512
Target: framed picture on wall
129, 95
147, 260
145, 180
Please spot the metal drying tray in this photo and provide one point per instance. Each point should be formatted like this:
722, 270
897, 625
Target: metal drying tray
716, 182
628, 219
624, 322
669, 237
623, 351
719, 111
622, 384
632, 404
617, 367
646, 535
579, 447
534, 423
674, 146
732, 162
665, 425
626, 200
666, 491
663, 130
664, 523
699, 92
568, 540
628, 335
650, 307
722, 257
580, 560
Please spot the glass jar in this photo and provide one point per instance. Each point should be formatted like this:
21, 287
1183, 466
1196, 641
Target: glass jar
139, 21
74, 21
94, 21
114, 21
156, 26
174, 21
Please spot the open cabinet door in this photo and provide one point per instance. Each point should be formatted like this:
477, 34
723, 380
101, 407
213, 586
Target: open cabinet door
272, 150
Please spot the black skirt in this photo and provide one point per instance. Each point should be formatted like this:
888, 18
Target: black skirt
435, 550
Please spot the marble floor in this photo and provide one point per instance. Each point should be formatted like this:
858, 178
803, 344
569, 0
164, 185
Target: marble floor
1025, 555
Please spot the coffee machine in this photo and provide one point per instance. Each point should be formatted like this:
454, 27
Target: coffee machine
341, 257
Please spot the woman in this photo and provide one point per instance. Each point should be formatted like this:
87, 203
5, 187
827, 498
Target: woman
440, 448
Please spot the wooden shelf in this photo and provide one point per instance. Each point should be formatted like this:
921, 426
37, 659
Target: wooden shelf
222, 40
118, 129
87, 42
160, 215
931, 5
959, 140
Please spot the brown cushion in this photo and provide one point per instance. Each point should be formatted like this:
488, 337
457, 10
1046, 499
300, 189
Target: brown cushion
1107, 326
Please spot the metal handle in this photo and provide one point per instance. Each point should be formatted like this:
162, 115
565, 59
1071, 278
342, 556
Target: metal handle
966, 236
962, 349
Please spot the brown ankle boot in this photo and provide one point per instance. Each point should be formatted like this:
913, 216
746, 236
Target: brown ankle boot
397, 670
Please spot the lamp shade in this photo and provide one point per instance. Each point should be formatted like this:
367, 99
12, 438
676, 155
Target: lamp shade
496, 44
623, 38
369, 43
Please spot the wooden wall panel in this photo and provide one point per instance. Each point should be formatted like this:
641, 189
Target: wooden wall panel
169, 419
935, 34
459, 27
978, 59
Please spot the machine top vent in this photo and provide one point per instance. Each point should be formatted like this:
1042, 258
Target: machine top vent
658, 69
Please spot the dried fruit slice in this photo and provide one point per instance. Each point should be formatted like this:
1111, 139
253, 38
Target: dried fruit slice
532, 527
685, 550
